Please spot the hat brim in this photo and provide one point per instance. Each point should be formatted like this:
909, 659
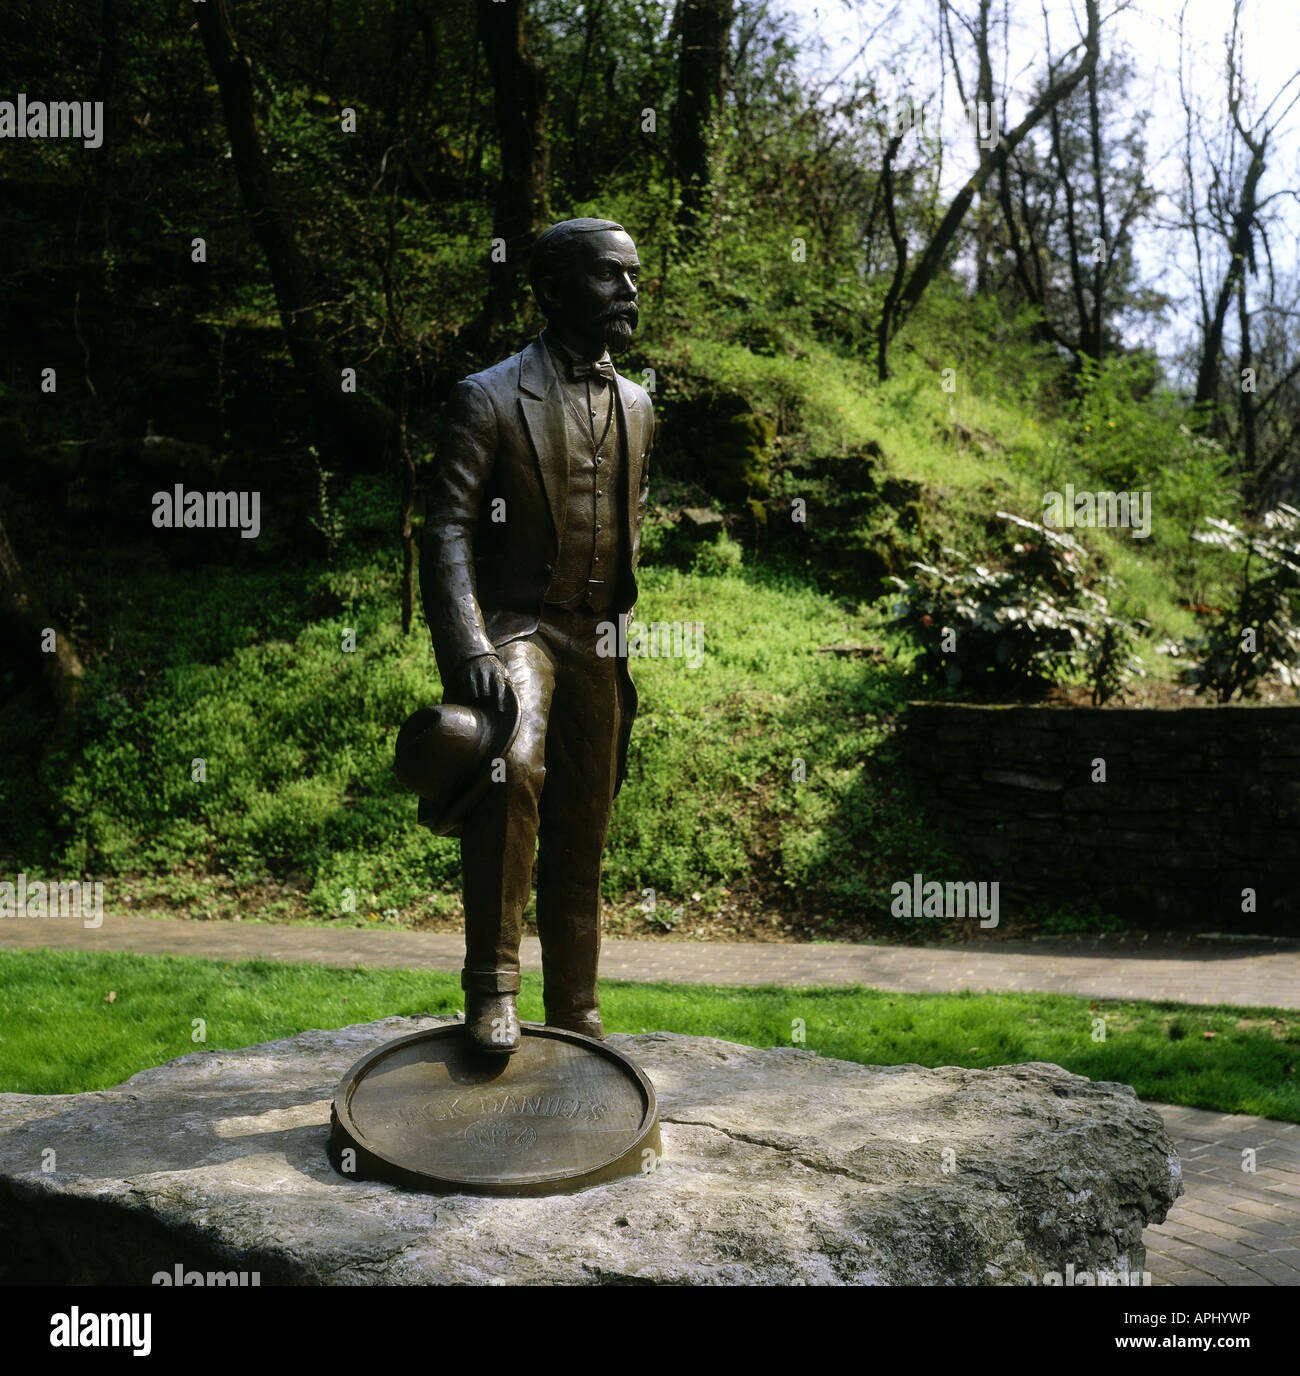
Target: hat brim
445, 801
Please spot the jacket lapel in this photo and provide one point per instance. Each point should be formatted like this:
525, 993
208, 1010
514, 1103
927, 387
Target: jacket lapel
542, 404
631, 419
543, 410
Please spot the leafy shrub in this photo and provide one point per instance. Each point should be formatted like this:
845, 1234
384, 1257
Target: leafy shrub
1122, 432
1075, 916
721, 556
1112, 661
1257, 635
1037, 621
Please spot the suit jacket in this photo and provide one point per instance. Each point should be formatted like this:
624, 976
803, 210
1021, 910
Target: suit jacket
505, 451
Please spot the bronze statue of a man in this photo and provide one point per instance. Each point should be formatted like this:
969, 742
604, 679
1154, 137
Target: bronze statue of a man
530, 556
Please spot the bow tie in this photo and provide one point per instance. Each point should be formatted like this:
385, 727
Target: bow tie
579, 369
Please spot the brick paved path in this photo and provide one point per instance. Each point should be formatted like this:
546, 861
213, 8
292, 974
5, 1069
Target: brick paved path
1231, 1227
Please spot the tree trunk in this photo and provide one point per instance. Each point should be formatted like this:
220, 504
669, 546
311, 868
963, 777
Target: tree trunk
406, 527
1026, 256
1072, 233
522, 207
582, 150
1241, 248
1101, 265
348, 425
701, 76
1249, 440
884, 330
983, 102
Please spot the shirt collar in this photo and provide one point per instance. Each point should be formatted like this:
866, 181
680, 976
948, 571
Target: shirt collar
563, 354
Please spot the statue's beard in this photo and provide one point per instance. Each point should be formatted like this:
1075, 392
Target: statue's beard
617, 327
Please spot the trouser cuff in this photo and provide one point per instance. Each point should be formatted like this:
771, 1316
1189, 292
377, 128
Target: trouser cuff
490, 981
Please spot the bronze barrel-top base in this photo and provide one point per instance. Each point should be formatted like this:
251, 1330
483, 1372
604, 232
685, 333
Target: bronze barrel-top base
426, 1112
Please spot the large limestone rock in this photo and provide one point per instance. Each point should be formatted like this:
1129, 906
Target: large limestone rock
780, 1167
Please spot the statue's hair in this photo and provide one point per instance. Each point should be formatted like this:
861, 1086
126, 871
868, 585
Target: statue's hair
556, 249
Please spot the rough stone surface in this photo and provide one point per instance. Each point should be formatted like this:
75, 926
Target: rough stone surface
700, 523
780, 1167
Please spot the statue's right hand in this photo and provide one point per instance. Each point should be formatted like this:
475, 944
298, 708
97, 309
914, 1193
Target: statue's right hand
486, 679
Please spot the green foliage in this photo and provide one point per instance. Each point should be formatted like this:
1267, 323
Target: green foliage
326, 520
711, 795
1112, 659
1083, 916
1014, 629
295, 733
295, 740
1132, 434
664, 542
721, 556
1257, 634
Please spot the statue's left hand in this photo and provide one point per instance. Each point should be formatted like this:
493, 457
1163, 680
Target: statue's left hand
486, 678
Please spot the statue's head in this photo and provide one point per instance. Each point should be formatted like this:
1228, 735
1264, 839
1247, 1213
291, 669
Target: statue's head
584, 274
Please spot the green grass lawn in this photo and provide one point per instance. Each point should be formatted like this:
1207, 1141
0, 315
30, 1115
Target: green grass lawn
60, 1035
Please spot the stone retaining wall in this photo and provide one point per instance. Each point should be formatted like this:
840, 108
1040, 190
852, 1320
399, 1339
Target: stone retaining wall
1197, 806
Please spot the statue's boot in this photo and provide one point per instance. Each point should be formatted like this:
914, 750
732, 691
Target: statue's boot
492, 1023
588, 1023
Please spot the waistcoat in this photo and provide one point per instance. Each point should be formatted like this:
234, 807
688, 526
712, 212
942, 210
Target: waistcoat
586, 569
